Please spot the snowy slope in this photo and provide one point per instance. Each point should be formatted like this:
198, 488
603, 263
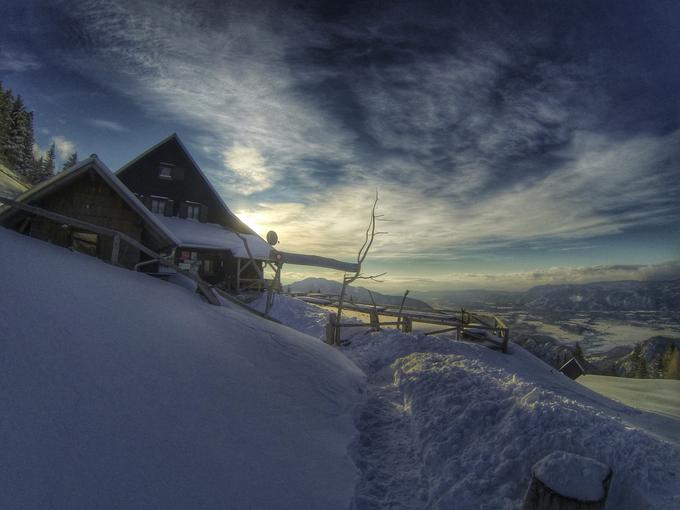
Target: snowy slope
450, 424
122, 391
660, 396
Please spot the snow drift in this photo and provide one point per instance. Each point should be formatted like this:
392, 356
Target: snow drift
456, 425
122, 391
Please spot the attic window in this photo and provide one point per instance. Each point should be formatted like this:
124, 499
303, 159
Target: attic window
165, 172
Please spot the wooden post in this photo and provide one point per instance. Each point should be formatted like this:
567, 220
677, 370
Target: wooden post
375, 320
401, 307
407, 325
586, 491
330, 328
238, 275
115, 249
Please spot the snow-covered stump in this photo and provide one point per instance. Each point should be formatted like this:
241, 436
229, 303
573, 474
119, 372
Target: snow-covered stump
565, 481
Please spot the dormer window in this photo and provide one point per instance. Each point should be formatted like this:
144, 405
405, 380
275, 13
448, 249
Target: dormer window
193, 211
165, 172
158, 206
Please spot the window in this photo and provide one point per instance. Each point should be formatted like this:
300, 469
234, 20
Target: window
157, 206
193, 211
84, 242
207, 266
165, 172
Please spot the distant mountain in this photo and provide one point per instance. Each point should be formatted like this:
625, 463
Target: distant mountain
605, 296
471, 298
358, 294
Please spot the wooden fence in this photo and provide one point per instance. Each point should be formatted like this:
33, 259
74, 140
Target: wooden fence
474, 326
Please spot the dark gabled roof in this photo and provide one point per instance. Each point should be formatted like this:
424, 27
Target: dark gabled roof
93, 163
174, 138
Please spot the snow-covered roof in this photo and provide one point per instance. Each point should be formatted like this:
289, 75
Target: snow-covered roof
194, 234
300, 259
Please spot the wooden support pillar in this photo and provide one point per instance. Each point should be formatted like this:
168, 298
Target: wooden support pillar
115, 250
407, 325
331, 327
375, 320
238, 275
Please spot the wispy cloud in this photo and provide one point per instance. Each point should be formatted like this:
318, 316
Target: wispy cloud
63, 146
483, 144
17, 60
107, 124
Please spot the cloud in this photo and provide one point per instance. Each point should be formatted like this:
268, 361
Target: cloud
482, 143
223, 72
17, 61
250, 168
63, 146
561, 275
107, 124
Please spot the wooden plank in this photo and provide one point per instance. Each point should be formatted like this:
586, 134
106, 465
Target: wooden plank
115, 250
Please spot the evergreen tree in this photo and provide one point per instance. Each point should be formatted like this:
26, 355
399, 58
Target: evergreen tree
6, 101
671, 362
18, 137
578, 353
72, 160
47, 169
635, 358
642, 372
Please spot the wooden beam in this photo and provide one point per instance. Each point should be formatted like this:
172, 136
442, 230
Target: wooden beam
115, 250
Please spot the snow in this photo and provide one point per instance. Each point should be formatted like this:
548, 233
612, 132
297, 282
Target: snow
123, 391
661, 396
451, 424
310, 320
573, 476
194, 234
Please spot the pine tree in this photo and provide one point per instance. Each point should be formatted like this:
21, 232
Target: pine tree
72, 160
642, 372
47, 169
578, 353
17, 138
672, 363
6, 101
635, 358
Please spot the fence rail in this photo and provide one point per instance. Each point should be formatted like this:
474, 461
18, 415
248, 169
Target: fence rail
474, 326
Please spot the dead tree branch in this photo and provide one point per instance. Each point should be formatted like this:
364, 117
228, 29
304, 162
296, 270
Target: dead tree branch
369, 237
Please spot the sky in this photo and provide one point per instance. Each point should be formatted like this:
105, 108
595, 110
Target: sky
511, 144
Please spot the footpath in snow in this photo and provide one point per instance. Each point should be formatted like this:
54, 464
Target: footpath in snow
449, 424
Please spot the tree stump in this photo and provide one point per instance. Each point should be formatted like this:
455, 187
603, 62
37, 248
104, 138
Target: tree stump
565, 481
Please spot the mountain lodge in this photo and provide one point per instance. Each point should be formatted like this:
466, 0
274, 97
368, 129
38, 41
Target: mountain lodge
158, 211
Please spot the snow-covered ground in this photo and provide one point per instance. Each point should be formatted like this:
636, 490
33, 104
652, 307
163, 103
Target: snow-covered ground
450, 424
661, 396
122, 391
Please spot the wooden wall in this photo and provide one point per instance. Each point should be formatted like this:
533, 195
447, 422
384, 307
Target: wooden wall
89, 198
187, 184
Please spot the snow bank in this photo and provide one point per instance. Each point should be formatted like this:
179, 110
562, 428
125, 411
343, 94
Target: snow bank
304, 317
482, 419
123, 391
479, 420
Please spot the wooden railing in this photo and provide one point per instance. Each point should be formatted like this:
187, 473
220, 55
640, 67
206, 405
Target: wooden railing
467, 325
